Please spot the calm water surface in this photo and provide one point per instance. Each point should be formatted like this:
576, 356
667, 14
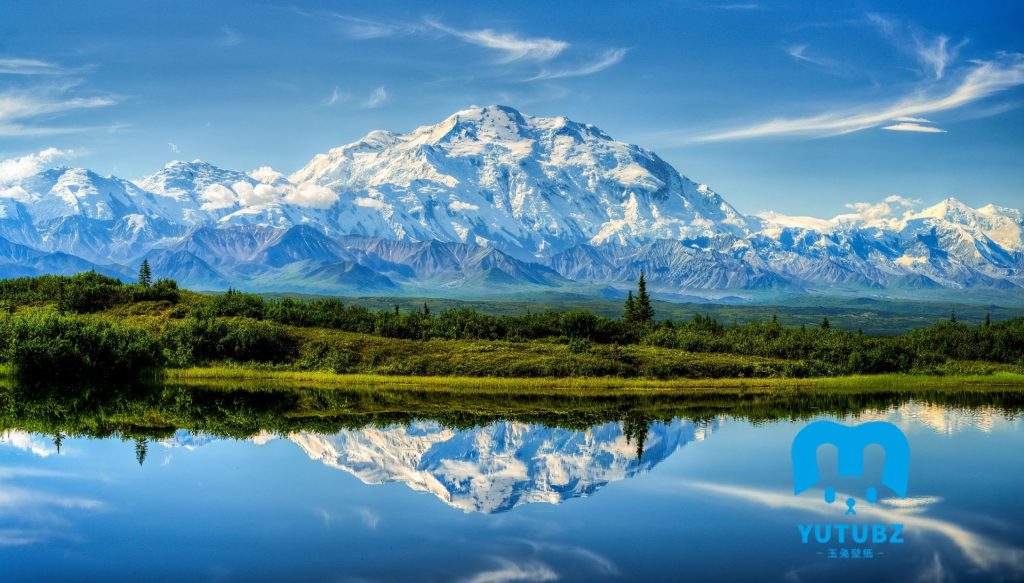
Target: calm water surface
502, 500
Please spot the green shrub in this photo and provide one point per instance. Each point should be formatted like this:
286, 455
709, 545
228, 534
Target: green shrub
45, 346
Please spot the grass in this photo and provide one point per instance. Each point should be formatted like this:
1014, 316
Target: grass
233, 376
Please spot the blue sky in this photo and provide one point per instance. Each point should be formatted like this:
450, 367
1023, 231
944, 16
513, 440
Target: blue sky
777, 106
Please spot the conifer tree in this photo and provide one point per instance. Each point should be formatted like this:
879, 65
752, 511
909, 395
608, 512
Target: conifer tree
644, 311
145, 275
141, 449
426, 309
824, 323
629, 313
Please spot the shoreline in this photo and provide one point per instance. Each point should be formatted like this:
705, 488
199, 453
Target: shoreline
994, 382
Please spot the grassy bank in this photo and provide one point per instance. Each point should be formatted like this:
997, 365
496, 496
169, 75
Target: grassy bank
900, 383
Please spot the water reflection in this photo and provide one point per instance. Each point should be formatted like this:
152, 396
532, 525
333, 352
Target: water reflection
304, 472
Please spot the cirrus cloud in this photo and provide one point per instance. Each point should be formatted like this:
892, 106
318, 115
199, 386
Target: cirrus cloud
984, 79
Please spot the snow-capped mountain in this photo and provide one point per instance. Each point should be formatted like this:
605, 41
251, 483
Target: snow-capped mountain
487, 199
492, 468
499, 466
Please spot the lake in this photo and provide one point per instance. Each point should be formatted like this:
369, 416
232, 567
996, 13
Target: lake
174, 483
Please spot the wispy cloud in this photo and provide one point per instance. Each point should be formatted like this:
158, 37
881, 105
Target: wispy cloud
608, 58
18, 107
914, 127
370, 518
506, 571
984, 79
799, 52
933, 52
746, 6
365, 29
910, 119
983, 552
174, 147
337, 96
229, 36
512, 46
16, 66
551, 55
377, 98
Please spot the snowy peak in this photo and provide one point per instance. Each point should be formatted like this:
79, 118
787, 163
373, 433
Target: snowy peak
491, 197
501, 466
182, 180
530, 186
1004, 226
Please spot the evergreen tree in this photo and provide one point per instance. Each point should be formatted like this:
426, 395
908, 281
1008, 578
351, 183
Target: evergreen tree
145, 275
629, 314
396, 309
644, 312
952, 317
426, 309
141, 449
988, 319
824, 323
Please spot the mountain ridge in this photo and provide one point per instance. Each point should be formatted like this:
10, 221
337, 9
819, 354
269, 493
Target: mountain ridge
488, 199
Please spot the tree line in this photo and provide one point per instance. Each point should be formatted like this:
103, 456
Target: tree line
73, 336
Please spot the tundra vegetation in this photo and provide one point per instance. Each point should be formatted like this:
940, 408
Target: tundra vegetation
92, 326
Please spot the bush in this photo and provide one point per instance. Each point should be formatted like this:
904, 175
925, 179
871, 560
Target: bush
196, 341
45, 346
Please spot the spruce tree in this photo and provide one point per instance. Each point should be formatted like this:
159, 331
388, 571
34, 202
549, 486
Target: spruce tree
644, 311
141, 449
629, 314
426, 309
145, 275
824, 323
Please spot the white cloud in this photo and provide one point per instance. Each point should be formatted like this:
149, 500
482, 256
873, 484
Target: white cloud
886, 213
377, 97
311, 195
799, 52
15, 66
29, 442
458, 205
229, 36
933, 52
984, 79
513, 46
606, 59
173, 147
983, 552
371, 203
914, 127
266, 175
892, 207
249, 195
20, 106
364, 29
910, 119
218, 197
15, 169
370, 518
337, 96
507, 571
15, 192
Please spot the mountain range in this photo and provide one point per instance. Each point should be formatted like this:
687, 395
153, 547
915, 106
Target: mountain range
491, 468
488, 200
